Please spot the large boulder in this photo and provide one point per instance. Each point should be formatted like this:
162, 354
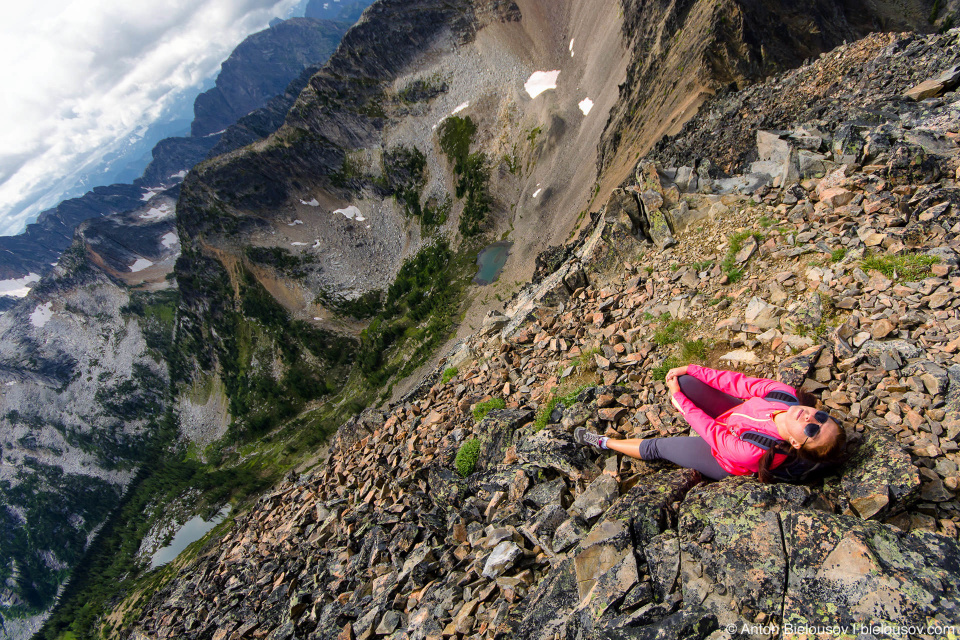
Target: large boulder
731, 548
557, 450
496, 435
880, 479
846, 572
795, 369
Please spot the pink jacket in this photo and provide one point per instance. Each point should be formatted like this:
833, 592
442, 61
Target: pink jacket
755, 414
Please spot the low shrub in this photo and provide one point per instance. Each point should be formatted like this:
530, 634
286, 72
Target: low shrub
449, 374
466, 460
482, 409
902, 268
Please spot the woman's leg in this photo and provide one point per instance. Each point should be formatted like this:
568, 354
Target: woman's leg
711, 401
690, 452
629, 447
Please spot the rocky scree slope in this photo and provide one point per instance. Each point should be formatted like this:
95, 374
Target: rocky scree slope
546, 539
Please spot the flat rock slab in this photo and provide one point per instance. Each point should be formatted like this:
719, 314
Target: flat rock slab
742, 561
844, 571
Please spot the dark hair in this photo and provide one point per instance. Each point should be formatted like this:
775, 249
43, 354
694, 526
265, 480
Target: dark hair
832, 453
805, 398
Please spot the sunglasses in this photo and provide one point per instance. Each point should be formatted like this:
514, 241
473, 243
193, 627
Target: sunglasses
811, 429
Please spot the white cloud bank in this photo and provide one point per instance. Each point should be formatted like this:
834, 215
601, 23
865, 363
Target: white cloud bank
78, 74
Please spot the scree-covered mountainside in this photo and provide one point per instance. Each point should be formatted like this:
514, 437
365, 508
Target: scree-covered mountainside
294, 338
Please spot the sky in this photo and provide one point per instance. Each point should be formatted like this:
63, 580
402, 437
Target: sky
78, 75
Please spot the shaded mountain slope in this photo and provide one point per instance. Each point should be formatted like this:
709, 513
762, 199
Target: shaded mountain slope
261, 67
721, 44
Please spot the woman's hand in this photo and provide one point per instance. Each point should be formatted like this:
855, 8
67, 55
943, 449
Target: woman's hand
674, 373
673, 385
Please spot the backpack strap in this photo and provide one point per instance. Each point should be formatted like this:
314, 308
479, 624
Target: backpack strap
760, 439
782, 396
795, 470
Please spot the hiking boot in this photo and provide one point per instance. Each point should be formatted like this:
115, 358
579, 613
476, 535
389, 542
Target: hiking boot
582, 436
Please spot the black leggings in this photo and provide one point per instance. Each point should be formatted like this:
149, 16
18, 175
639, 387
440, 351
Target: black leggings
693, 452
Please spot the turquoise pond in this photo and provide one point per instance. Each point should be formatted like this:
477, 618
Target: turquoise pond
491, 261
193, 530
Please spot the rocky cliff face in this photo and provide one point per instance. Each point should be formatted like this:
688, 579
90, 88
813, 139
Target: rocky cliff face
684, 52
83, 403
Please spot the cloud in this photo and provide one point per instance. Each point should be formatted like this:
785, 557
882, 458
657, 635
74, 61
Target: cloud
81, 74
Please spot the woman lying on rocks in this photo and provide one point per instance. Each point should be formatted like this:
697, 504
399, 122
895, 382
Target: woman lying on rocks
746, 425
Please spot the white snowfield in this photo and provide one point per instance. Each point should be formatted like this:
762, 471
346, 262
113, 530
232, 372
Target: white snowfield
310, 203
296, 222
352, 213
157, 213
585, 105
460, 108
541, 81
18, 288
169, 240
152, 191
571, 47
140, 265
183, 172
41, 315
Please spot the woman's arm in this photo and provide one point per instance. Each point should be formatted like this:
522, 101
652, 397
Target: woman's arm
722, 443
735, 383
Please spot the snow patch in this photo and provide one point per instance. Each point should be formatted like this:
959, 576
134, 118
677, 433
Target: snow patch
352, 213
140, 265
18, 288
41, 315
571, 47
460, 108
299, 244
541, 81
183, 172
537, 192
311, 203
157, 213
152, 191
296, 222
169, 240
585, 105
